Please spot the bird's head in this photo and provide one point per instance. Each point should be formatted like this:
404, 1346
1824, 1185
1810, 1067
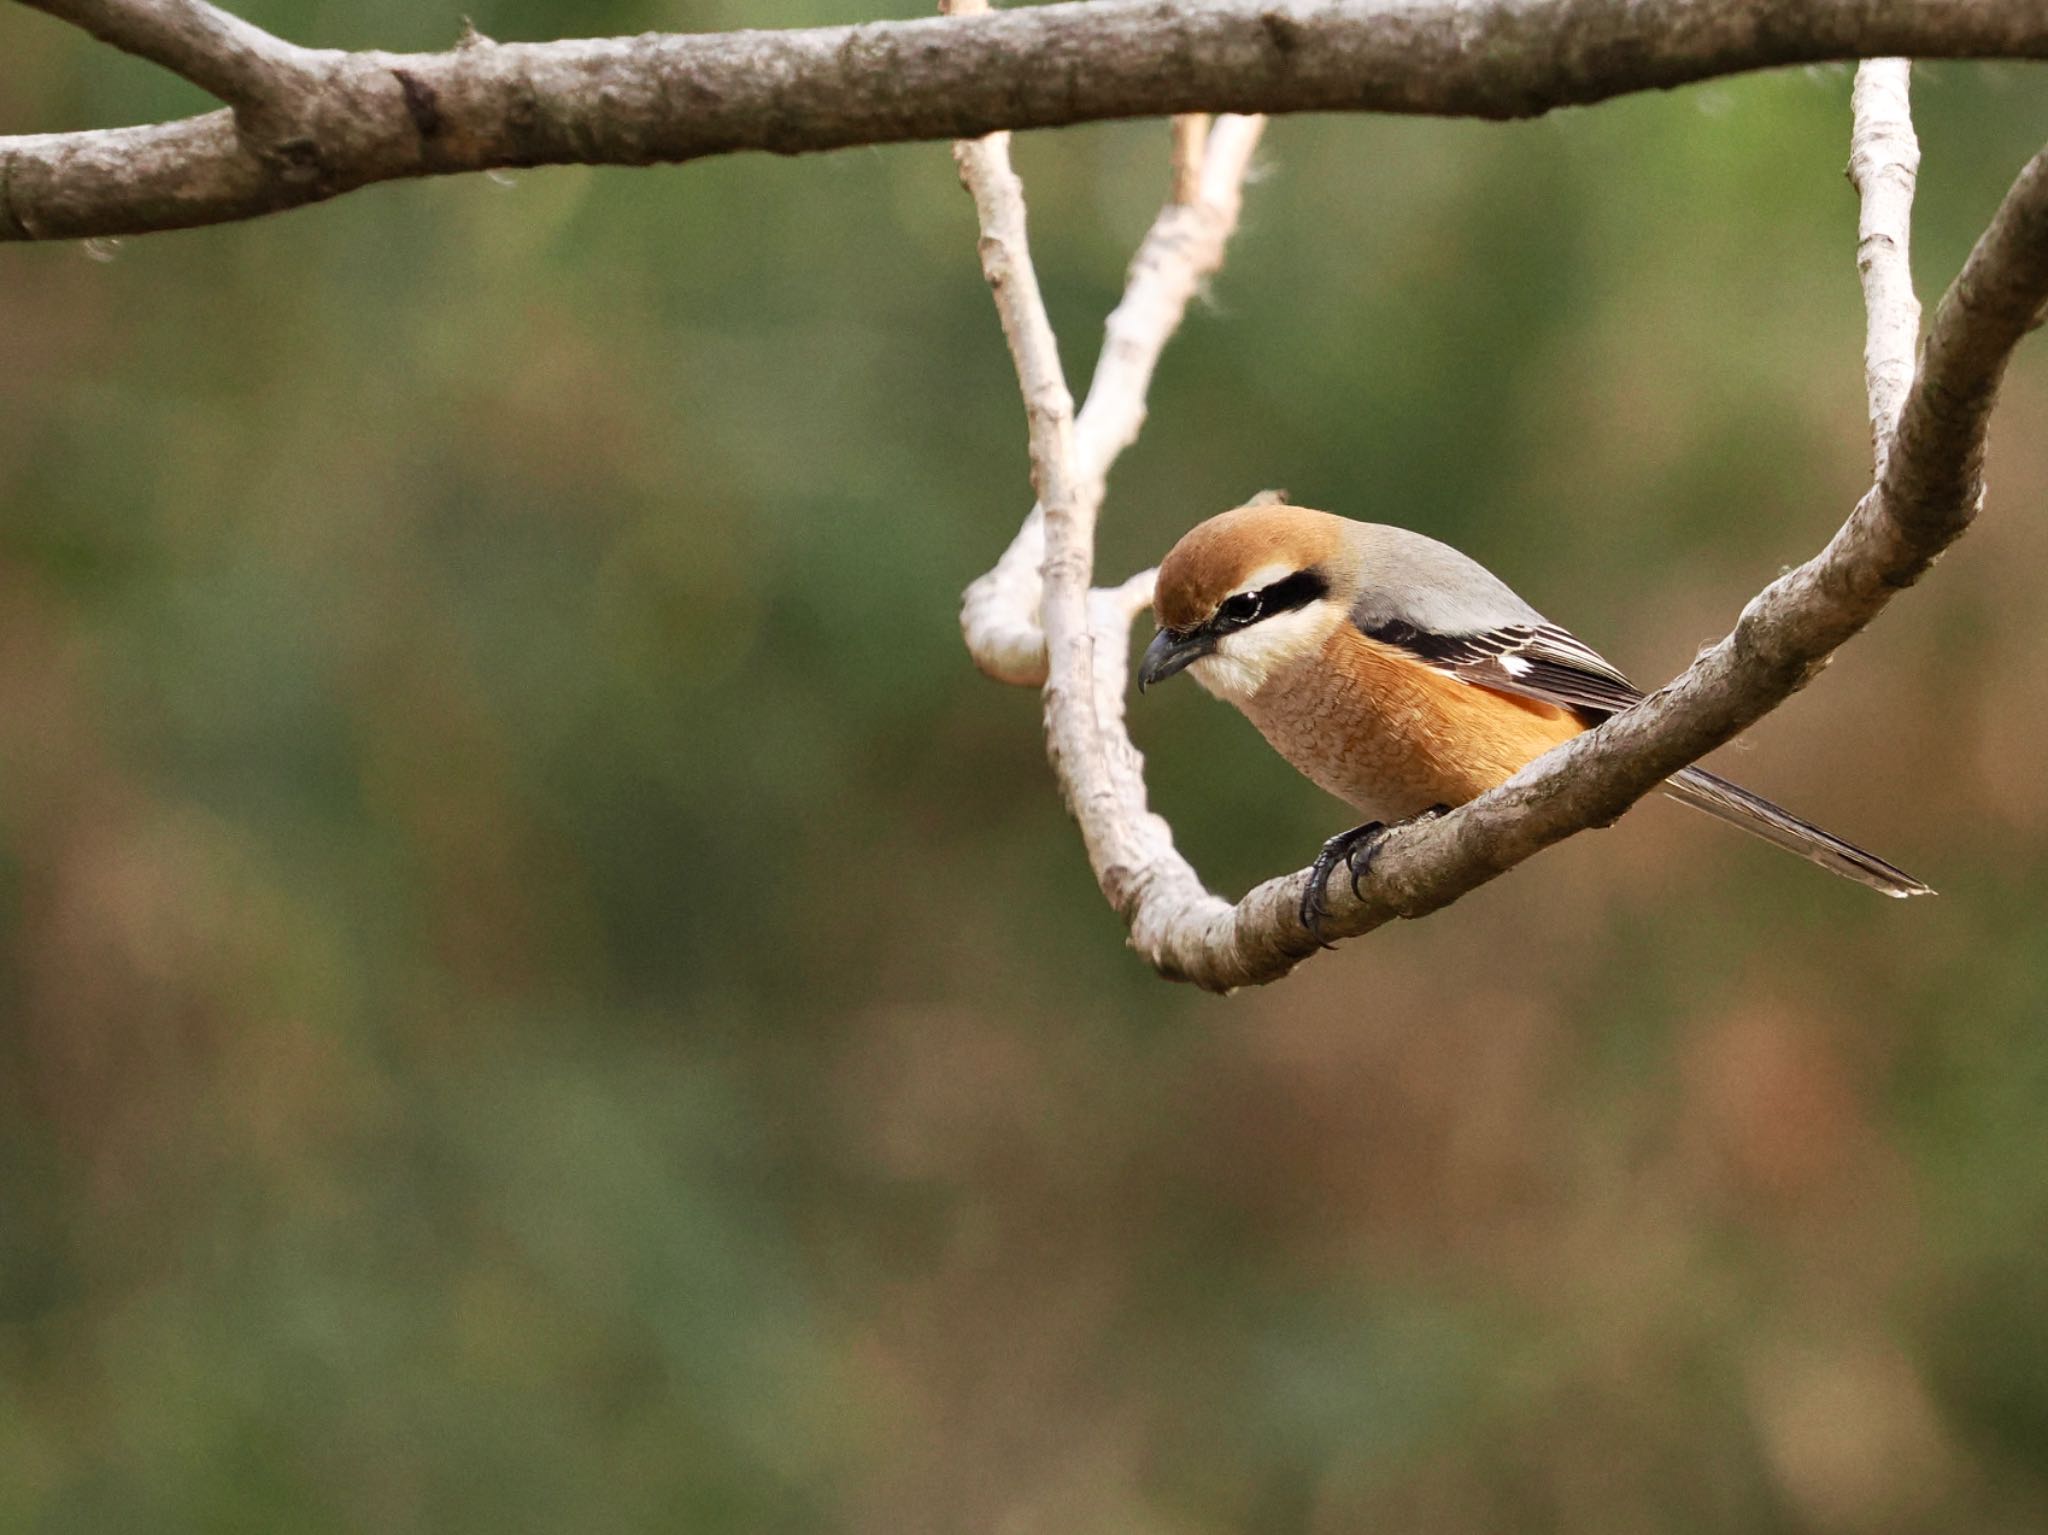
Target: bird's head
1246, 594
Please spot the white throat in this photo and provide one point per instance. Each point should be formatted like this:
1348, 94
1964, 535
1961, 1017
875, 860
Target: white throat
1243, 663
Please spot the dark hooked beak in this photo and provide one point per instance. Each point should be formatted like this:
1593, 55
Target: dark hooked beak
1169, 653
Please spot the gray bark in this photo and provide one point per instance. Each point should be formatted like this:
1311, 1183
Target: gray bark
314, 124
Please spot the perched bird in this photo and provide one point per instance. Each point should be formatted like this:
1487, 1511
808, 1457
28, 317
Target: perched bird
1405, 678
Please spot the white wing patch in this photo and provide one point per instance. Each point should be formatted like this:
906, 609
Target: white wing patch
1539, 661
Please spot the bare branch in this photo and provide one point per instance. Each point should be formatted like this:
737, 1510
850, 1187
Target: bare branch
1925, 498
1085, 632
1190, 143
240, 63
1928, 489
999, 613
370, 117
1884, 163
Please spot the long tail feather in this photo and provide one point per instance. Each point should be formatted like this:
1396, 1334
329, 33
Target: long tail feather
1759, 817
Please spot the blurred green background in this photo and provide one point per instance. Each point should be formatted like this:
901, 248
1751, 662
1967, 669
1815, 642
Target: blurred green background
539, 991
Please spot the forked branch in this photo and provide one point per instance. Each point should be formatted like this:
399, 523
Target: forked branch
306, 125
223, 55
999, 615
1927, 490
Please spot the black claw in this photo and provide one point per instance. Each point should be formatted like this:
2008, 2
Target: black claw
1358, 858
1339, 849
1355, 849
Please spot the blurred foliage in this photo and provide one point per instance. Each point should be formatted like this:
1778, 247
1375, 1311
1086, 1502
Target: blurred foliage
541, 992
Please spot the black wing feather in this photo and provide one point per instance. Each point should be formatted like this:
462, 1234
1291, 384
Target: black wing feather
1539, 661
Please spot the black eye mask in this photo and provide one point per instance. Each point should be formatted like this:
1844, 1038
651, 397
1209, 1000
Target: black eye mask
1173, 650
1283, 596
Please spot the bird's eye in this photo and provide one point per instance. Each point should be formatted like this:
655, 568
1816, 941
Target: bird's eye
1238, 610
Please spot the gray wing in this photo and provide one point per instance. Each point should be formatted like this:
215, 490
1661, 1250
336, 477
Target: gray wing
1536, 660
1453, 614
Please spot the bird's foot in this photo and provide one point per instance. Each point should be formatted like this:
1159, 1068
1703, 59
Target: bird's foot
1341, 848
1355, 849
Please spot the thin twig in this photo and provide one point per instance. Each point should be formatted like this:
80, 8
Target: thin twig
371, 117
1190, 144
1100, 772
1884, 163
999, 614
223, 55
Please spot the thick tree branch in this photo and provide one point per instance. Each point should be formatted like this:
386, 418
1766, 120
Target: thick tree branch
223, 55
369, 117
